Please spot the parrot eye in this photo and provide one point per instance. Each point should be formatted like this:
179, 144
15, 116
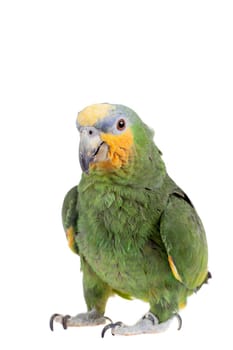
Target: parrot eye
121, 124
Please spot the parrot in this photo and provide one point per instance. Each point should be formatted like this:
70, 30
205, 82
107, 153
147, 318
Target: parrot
137, 233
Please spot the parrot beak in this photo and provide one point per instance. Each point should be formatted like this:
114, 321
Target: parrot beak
91, 148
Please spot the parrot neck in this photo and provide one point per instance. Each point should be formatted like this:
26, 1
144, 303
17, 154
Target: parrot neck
146, 169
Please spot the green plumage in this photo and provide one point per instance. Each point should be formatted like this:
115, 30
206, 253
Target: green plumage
127, 222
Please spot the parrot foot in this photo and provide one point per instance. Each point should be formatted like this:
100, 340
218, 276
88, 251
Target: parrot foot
147, 324
90, 318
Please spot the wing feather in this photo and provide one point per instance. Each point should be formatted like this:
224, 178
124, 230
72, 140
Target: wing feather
70, 217
184, 238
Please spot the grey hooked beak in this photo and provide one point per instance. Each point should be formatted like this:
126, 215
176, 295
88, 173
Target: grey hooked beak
91, 148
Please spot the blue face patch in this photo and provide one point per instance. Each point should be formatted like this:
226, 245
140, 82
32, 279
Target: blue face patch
109, 124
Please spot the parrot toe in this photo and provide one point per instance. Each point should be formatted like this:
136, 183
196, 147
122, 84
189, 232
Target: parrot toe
59, 319
149, 323
90, 318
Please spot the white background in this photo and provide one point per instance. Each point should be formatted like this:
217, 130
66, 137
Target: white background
171, 61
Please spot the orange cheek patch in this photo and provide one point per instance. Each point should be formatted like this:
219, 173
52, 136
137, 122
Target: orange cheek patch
120, 148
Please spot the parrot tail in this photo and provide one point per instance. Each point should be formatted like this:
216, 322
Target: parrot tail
208, 276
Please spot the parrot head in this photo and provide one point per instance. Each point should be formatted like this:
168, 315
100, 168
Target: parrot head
112, 138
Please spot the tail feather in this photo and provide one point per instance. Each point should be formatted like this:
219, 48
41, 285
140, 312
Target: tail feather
206, 280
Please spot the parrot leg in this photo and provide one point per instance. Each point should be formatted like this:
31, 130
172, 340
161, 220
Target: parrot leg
147, 324
96, 293
90, 318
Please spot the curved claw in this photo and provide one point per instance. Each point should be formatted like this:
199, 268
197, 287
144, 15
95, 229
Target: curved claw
51, 321
110, 326
108, 319
151, 317
64, 321
179, 321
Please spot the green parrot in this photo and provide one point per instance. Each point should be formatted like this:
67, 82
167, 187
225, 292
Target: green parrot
137, 233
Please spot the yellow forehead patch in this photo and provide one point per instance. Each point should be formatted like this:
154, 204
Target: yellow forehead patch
92, 114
